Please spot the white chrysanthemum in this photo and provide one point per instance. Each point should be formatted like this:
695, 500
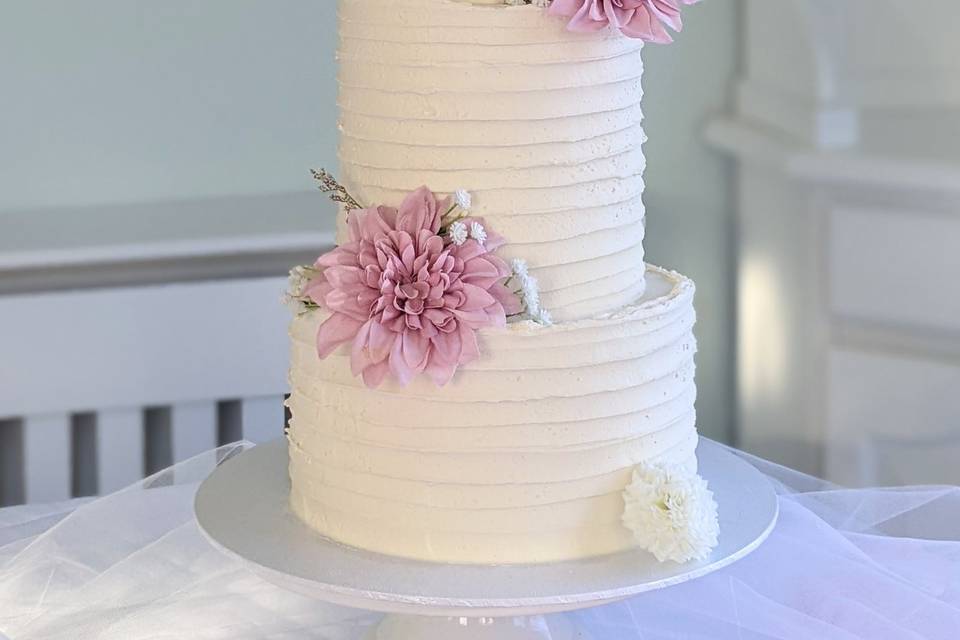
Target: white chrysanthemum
671, 513
477, 232
457, 233
463, 199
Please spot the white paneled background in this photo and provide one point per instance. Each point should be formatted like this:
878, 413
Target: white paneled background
101, 387
848, 210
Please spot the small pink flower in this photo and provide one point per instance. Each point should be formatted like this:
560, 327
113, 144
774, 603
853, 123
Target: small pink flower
409, 300
644, 19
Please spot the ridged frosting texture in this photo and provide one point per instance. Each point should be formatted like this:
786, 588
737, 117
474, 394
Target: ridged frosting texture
542, 125
522, 458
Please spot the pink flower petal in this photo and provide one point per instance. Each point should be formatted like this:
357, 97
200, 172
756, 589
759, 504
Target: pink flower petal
341, 277
374, 375
470, 347
317, 290
508, 299
440, 371
416, 349
380, 341
360, 352
468, 250
419, 211
667, 12
403, 372
346, 302
480, 270
447, 346
475, 298
336, 330
479, 317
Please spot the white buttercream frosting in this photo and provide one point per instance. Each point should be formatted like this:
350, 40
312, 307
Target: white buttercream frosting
523, 457
543, 126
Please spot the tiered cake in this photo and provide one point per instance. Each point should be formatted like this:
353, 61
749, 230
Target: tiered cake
525, 454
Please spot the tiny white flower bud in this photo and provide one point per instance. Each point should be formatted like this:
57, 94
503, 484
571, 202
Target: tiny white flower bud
463, 199
519, 267
478, 233
457, 233
544, 318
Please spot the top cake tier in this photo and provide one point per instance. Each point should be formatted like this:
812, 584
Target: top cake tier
541, 125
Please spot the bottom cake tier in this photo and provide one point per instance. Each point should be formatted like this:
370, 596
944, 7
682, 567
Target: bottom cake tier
522, 458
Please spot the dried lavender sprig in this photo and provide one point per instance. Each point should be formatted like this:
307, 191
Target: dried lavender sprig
336, 191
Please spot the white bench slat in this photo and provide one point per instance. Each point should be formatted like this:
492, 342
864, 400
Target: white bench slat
143, 347
262, 418
194, 429
120, 445
46, 457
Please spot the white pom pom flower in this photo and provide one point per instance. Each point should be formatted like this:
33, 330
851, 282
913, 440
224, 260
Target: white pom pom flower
671, 513
457, 233
463, 199
477, 232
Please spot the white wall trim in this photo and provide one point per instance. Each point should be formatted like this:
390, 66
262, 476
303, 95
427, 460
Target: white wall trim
169, 250
756, 145
830, 127
159, 242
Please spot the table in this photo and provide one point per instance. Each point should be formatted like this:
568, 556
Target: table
842, 564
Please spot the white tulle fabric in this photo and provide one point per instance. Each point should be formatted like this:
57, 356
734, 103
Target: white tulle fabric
874, 564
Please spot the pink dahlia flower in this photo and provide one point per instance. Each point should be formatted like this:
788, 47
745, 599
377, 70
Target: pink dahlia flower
409, 300
644, 19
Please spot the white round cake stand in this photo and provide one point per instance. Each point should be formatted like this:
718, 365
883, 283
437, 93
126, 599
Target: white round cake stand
242, 508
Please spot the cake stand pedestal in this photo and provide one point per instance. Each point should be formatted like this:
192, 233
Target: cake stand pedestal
242, 508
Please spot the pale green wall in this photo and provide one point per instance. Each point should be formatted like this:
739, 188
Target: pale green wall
130, 100
112, 101
690, 221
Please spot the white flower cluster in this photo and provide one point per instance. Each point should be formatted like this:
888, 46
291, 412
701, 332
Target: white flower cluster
537, 3
671, 513
530, 292
458, 232
295, 297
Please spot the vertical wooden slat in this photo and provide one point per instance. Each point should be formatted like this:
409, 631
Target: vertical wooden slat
262, 418
194, 429
11, 462
229, 422
120, 449
46, 444
83, 455
157, 440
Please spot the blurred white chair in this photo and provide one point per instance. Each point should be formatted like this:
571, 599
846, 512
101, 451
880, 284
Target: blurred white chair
848, 151
100, 387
